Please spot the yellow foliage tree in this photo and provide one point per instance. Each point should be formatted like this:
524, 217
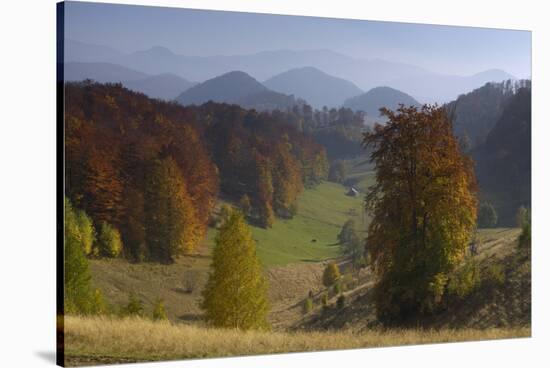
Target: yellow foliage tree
171, 223
424, 209
235, 295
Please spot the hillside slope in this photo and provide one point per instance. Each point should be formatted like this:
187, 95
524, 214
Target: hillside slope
315, 86
236, 88
293, 261
503, 305
372, 100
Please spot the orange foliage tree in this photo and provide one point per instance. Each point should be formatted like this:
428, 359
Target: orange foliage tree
424, 207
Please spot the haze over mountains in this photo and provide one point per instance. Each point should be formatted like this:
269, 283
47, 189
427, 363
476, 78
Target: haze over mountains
165, 86
371, 101
316, 87
236, 88
423, 85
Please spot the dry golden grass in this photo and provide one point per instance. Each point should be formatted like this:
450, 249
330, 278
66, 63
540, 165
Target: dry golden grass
111, 340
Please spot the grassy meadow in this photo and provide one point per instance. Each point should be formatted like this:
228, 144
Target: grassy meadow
100, 340
310, 236
293, 266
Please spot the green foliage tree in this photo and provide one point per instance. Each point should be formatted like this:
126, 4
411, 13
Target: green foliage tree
79, 297
464, 280
331, 274
487, 215
87, 231
171, 227
109, 243
351, 243
423, 208
235, 295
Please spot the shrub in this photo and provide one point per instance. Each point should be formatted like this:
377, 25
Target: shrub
99, 304
487, 215
109, 242
331, 274
133, 308
159, 313
337, 288
494, 275
465, 280
308, 305
348, 282
324, 299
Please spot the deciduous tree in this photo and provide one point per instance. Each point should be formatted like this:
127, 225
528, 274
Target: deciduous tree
423, 207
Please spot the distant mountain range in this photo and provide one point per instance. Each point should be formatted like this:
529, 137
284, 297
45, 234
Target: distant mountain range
424, 85
315, 86
440, 88
239, 88
165, 86
101, 72
370, 102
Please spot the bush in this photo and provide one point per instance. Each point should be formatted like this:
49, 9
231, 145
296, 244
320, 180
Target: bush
487, 215
331, 274
465, 280
159, 313
109, 242
324, 299
308, 305
494, 275
337, 288
99, 304
348, 282
341, 302
133, 308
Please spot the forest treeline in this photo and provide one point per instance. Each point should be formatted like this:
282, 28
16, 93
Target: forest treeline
153, 170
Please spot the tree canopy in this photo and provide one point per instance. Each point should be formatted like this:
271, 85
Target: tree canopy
424, 209
235, 295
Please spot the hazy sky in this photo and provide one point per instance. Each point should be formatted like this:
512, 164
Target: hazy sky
449, 50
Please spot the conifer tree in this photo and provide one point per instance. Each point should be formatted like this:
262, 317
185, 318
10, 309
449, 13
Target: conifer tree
235, 295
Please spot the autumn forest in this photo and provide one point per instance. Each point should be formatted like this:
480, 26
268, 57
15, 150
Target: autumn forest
232, 205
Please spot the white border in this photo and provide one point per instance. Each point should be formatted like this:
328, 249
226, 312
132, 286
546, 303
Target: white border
27, 202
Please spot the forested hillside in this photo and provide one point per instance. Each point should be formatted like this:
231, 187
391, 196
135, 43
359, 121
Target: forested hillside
476, 113
504, 161
153, 170
237, 88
